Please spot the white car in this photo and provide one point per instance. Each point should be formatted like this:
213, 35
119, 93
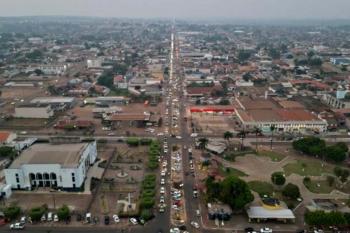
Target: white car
162, 199
194, 135
133, 221
55, 218
162, 190
178, 137
195, 224
175, 230
17, 226
162, 181
265, 230
116, 218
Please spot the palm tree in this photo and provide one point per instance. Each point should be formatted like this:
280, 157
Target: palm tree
257, 132
272, 129
203, 142
241, 134
228, 135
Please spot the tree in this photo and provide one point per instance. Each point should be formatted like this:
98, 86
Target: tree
36, 213
341, 173
63, 213
335, 153
274, 53
243, 55
11, 212
227, 136
272, 129
241, 134
291, 191
203, 142
257, 131
235, 192
321, 218
315, 61
7, 151
38, 72
278, 178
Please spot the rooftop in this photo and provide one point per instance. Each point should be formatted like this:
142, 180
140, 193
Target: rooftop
67, 155
258, 212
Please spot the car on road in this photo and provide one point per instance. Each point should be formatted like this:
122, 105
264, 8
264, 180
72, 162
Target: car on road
178, 137
133, 221
198, 213
116, 218
265, 230
17, 226
162, 181
194, 135
195, 224
249, 230
162, 190
162, 199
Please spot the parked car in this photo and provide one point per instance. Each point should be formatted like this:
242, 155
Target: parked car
265, 230
106, 220
17, 226
55, 218
133, 221
195, 224
116, 218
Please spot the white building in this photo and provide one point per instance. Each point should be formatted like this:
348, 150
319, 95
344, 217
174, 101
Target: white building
53, 69
59, 166
34, 111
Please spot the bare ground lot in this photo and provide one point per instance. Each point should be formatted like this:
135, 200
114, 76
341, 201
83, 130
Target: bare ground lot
28, 200
212, 124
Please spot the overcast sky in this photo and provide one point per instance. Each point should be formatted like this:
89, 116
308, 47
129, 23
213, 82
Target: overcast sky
237, 9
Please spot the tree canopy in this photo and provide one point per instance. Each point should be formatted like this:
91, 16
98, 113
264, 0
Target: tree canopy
315, 146
232, 191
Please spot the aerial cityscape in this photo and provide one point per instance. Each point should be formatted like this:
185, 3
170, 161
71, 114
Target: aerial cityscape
135, 116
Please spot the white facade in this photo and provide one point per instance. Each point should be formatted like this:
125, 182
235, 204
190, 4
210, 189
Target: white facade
34, 112
31, 171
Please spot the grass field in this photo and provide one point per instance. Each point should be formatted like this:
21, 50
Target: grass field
308, 168
274, 156
261, 187
318, 186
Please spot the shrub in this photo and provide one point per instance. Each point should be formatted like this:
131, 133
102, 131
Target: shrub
148, 193
278, 178
133, 141
147, 203
145, 141
291, 191
321, 218
146, 214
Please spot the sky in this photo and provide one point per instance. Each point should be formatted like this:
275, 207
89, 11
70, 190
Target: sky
188, 9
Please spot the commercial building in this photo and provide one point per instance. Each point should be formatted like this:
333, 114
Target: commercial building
287, 116
58, 166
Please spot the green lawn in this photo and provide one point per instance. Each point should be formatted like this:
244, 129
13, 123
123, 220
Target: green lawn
318, 186
231, 171
262, 188
307, 168
274, 156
